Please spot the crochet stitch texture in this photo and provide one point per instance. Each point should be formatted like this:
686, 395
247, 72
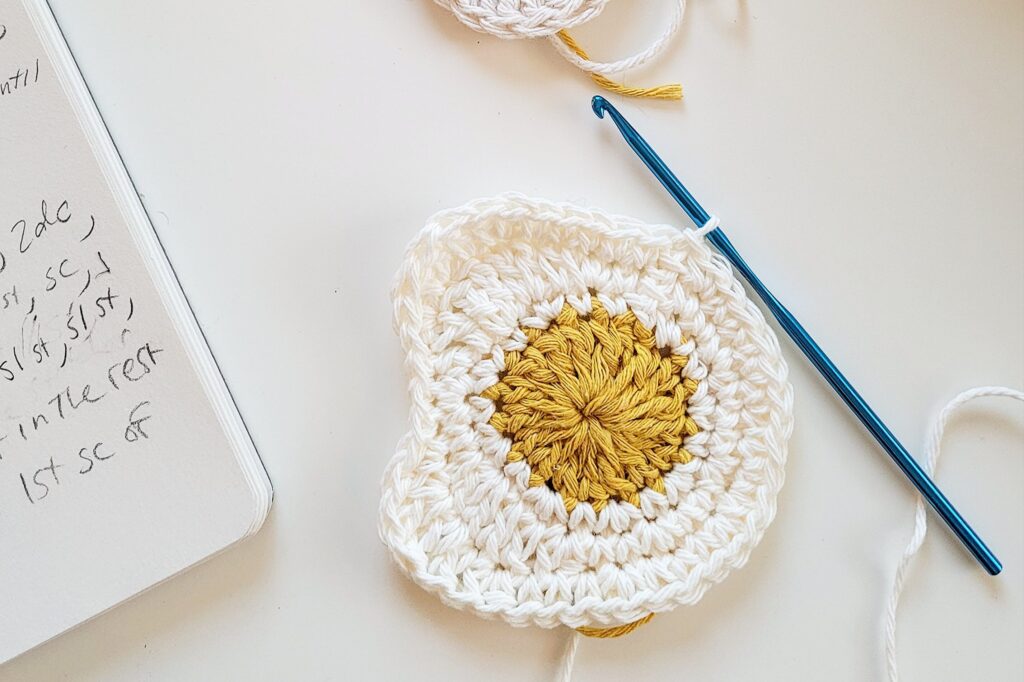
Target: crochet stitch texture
511, 19
593, 407
523, 18
672, 504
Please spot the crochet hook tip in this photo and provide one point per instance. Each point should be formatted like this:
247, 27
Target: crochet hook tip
599, 105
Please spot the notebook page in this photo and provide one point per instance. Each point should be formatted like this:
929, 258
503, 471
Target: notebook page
121, 461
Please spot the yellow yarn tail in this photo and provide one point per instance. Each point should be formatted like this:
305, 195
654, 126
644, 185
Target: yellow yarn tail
672, 91
607, 633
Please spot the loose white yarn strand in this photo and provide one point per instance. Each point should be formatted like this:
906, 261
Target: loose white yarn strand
710, 226
920, 515
639, 59
569, 658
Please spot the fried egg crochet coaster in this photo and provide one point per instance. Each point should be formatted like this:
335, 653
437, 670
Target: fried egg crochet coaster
599, 416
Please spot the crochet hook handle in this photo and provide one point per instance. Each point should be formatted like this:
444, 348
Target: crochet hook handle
810, 348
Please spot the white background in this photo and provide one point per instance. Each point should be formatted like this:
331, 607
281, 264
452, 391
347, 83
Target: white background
867, 157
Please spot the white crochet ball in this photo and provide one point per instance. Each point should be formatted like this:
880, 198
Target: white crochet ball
523, 18
463, 520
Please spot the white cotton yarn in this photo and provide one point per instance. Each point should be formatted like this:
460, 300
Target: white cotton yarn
523, 18
637, 60
464, 523
932, 447
512, 19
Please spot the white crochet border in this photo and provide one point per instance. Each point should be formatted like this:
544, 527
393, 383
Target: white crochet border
523, 19
464, 524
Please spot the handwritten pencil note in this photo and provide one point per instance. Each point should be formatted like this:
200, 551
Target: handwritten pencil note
65, 315
123, 460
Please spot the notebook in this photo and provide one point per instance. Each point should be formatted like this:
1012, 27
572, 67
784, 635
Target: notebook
123, 459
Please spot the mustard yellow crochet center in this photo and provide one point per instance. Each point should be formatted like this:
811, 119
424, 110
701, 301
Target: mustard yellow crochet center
595, 407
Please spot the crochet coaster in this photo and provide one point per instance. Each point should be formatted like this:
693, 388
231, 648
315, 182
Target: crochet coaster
599, 416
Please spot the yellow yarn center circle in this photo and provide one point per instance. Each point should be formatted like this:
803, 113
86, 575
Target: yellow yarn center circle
595, 407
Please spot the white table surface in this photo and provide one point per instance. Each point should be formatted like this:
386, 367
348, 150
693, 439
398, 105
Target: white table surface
868, 157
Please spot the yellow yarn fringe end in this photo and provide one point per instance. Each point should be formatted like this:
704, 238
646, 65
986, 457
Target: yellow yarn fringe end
619, 631
669, 91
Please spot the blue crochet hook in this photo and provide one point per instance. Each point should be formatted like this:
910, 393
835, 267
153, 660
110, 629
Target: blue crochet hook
833, 376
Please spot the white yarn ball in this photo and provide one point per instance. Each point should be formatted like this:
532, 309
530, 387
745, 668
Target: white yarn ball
523, 18
464, 522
